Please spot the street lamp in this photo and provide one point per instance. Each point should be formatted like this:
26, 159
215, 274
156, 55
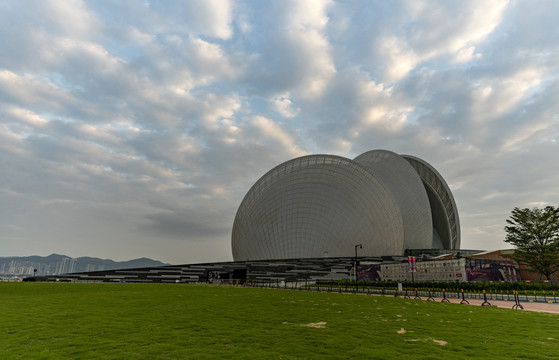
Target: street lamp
355, 267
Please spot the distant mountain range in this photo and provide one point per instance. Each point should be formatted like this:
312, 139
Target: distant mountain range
17, 266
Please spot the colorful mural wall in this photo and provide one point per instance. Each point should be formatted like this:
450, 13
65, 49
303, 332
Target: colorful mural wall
464, 269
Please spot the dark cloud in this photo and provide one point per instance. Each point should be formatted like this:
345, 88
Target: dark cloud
189, 226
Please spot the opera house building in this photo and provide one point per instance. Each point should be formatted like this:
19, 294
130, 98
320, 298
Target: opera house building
324, 206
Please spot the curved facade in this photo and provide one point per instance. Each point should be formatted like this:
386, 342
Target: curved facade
446, 225
406, 186
324, 205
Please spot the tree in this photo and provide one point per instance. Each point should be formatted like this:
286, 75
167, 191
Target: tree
535, 234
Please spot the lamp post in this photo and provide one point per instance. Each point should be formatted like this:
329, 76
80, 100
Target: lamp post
355, 267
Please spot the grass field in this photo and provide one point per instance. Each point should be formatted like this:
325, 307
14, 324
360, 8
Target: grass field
157, 321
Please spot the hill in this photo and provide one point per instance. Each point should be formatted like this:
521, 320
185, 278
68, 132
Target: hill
18, 266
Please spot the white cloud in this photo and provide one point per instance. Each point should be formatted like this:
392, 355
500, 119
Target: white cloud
398, 56
211, 18
496, 97
284, 106
466, 54
26, 90
293, 52
272, 133
452, 26
26, 116
71, 18
304, 34
434, 29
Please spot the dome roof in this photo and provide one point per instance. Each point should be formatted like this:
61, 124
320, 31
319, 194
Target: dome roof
324, 205
406, 186
443, 207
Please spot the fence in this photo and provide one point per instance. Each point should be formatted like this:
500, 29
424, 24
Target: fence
443, 294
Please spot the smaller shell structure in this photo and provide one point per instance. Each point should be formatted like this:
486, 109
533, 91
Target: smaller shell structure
324, 205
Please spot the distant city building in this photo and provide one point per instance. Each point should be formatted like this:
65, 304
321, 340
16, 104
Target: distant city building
66, 265
325, 205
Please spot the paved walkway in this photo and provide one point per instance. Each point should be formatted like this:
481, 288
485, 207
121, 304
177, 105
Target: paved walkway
528, 306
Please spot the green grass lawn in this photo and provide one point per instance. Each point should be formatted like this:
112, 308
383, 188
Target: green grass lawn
158, 321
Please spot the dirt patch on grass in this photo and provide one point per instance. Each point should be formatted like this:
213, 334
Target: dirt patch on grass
318, 325
401, 331
440, 342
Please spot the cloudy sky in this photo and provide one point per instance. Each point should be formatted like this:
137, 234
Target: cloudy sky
135, 128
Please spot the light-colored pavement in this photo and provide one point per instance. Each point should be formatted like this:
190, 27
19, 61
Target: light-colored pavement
528, 306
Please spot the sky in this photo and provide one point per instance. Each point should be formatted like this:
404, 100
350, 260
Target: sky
135, 128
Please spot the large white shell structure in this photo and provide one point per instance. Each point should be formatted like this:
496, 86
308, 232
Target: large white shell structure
446, 224
408, 190
325, 205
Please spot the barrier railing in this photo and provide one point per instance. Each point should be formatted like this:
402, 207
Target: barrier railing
443, 294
